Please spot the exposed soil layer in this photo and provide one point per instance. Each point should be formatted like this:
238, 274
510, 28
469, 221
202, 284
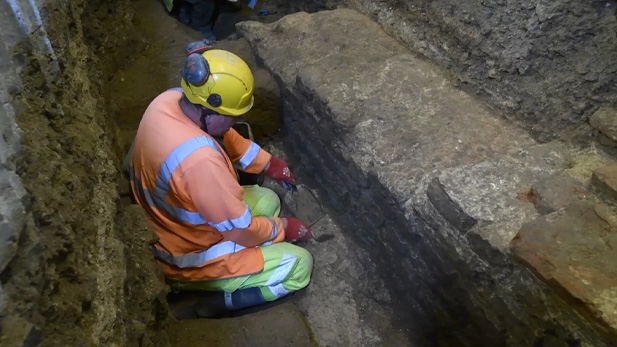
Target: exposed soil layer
76, 280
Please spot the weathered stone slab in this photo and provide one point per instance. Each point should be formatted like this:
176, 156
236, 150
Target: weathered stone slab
374, 126
605, 178
574, 251
586, 161
493, 192
605, 121
607, 213
449, 209
556, 192
396, 109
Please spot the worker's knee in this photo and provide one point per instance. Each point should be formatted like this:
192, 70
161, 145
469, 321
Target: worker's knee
270, 202
301, 273
262, 201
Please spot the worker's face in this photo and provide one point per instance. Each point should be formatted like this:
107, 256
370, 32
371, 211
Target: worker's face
218, 124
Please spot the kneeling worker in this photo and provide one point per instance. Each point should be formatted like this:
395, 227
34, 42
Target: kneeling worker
213, 234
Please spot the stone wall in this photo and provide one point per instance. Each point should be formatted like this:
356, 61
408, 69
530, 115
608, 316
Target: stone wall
68, 263
549, 63
429, 181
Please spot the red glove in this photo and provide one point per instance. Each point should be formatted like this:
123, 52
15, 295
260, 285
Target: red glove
296, 231
279, 171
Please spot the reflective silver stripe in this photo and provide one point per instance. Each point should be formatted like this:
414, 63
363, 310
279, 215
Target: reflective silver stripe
274, 228
199, 258
273, 235
250, 155
158, 201
156, 197
238, 223
179, 153
275, 282
228, 302
278, 290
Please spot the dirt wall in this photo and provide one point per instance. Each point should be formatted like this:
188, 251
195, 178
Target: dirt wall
549, 64
75, 276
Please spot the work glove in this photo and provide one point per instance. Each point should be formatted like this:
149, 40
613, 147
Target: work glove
279, 171
295, 230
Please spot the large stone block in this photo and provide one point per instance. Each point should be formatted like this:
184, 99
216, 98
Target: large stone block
494, 192
605, 178
556, 192
376, 125
574, 251
605, 121
449, 209
401, 116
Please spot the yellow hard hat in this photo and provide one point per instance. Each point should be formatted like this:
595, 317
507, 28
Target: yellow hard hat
218, 80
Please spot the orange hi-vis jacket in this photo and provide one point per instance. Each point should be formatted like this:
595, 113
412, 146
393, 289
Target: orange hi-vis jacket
189, 189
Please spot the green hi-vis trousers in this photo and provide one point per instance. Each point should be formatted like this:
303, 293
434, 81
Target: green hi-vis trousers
287, 267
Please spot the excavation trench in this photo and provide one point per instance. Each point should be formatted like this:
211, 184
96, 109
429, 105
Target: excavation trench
385, 148
401, 278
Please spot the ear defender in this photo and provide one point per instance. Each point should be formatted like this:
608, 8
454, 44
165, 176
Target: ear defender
196, 69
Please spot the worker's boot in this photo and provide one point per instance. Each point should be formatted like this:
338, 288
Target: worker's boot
184, 14
214, 304
182, 304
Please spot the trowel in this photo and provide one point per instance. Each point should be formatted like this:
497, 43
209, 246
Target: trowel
304, 205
